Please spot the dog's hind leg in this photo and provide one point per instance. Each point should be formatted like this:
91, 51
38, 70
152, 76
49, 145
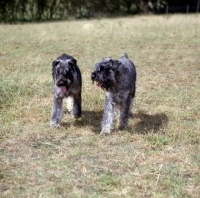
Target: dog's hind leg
124, 113
130, 108
57, 111
131, 103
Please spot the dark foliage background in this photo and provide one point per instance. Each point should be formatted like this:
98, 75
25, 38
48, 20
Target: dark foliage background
40, 10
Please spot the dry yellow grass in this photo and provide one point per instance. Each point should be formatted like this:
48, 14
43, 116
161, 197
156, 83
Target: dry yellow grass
157, 156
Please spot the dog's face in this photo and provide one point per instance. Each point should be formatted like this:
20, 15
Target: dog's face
104, 72
63, 73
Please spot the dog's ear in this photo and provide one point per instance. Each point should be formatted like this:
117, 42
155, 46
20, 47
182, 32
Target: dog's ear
115, 63
102, 68
55, 63
106, 59
72, 63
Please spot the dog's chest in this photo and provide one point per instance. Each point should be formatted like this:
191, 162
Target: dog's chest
117, 97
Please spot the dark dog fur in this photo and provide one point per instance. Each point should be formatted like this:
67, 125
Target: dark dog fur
67, 84
118, 78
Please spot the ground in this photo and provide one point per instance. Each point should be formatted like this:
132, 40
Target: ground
156, 156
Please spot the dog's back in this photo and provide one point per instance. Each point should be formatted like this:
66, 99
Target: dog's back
124, 55
127, 77
128, 64
126, 61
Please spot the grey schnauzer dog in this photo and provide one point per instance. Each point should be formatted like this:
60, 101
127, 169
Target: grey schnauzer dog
118, 78
67, 84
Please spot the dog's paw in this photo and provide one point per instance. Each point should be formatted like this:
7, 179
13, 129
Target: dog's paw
76, 117
54, 124
121, 128
105, 132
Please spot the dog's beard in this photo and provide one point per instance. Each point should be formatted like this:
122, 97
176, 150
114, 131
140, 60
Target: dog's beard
99, 84
104, 80
104, 84
64, 86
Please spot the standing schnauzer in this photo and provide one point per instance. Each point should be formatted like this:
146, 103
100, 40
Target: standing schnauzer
118, 78
67, 84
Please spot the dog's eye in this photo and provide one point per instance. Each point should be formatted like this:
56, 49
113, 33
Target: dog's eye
107, 69
58, 72
101, 68
68, 71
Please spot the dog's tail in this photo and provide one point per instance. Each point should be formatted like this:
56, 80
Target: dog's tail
124, 55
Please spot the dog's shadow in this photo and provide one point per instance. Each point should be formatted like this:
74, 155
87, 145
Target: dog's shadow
149, 123
91, 119
146, 123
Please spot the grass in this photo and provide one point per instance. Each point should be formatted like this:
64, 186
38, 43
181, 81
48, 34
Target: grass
158, 154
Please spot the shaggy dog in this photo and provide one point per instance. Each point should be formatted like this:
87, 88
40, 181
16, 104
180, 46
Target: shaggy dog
118, 79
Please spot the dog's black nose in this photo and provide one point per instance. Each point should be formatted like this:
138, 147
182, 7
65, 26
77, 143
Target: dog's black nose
61, 83
93, 75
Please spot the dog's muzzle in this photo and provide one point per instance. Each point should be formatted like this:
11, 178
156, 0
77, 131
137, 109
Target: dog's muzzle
93, 76
63, 85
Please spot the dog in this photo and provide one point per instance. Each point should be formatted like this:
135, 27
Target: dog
67, 83
118, 79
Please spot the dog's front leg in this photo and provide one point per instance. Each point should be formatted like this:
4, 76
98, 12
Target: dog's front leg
57, 111
108, 116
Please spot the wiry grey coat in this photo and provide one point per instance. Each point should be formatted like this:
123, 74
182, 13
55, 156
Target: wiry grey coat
118, 78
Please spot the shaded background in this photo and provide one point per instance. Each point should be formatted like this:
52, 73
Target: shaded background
12, 11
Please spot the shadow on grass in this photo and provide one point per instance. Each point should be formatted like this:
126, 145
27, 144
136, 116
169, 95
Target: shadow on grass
89, 118
149, 123
146, 124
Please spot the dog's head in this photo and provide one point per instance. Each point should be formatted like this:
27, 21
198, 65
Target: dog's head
63, 73
104, 72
